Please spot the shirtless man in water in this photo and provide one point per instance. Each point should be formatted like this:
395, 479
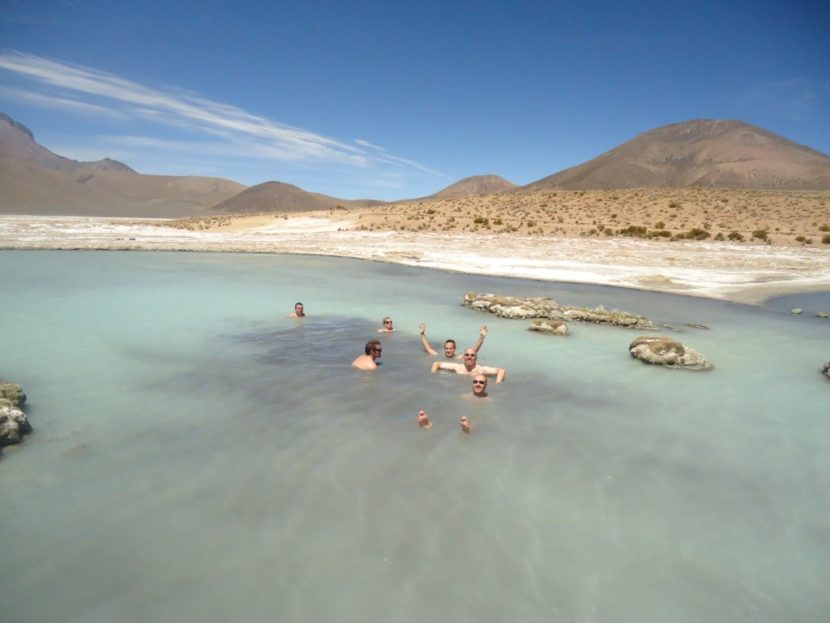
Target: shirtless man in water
479, 387
367, 361
470, 366
449, 345
299, 311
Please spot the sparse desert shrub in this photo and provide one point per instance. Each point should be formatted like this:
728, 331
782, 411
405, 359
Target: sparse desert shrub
659, 225
825, 239
674, 204
719, 237
824, 227
659, 233
697, 234
733, 235
497, 221
761, 234
430, 211
693, 234
480, 220
635, 231
531, 223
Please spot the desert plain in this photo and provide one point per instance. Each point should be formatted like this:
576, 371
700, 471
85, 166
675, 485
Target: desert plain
738, 245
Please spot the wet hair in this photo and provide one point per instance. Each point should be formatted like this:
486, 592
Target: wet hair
450, 341
370, 345
298, 303
386, 319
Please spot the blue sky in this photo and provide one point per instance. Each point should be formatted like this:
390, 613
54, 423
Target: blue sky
393, 100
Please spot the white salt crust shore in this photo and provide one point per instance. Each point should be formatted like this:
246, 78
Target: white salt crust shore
745, 273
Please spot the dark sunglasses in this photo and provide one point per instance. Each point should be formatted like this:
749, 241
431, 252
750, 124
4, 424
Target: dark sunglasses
469, 354
479, 382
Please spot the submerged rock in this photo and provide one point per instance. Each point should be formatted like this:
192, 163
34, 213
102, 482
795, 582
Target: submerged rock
544, 325
546, 308
796, 311
511, 306
665, 351
12, 392
822, 314
13, 424
600, 315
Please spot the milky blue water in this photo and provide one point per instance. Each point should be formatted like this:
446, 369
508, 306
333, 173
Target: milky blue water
200, 456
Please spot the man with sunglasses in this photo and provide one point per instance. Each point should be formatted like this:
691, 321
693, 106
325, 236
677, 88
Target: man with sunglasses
368, 361
470, 366
479, 387
449, 345
388, 327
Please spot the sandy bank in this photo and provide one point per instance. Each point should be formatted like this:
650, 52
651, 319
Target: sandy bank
737, 272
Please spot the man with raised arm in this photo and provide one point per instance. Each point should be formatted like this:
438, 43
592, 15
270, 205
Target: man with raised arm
470, 366
449, 345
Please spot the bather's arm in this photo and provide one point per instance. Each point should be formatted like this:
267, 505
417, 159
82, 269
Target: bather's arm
422, 328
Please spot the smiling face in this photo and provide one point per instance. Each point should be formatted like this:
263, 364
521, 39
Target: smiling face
449, 349
387, 324
480, 385
470, 359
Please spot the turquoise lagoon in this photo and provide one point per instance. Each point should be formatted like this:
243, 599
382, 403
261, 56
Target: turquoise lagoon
200, 456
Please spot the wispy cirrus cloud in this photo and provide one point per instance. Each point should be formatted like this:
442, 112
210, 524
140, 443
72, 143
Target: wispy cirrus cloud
60, 103
233, 131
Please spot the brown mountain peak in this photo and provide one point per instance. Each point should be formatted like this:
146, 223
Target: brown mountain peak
700, 152
475, 185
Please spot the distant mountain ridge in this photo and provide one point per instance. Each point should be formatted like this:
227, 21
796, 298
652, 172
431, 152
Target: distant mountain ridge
475, 185
701, 152
697, 153
34, 180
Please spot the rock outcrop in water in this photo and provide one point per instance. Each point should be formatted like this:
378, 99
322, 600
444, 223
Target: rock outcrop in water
826, 370
545, 325
547, 308
13, 422
665, 351
13, 393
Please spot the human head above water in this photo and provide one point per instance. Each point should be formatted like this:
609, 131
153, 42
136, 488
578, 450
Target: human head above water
470, 359
449, 348
479, 385
298, 309
387, 322
373, 346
